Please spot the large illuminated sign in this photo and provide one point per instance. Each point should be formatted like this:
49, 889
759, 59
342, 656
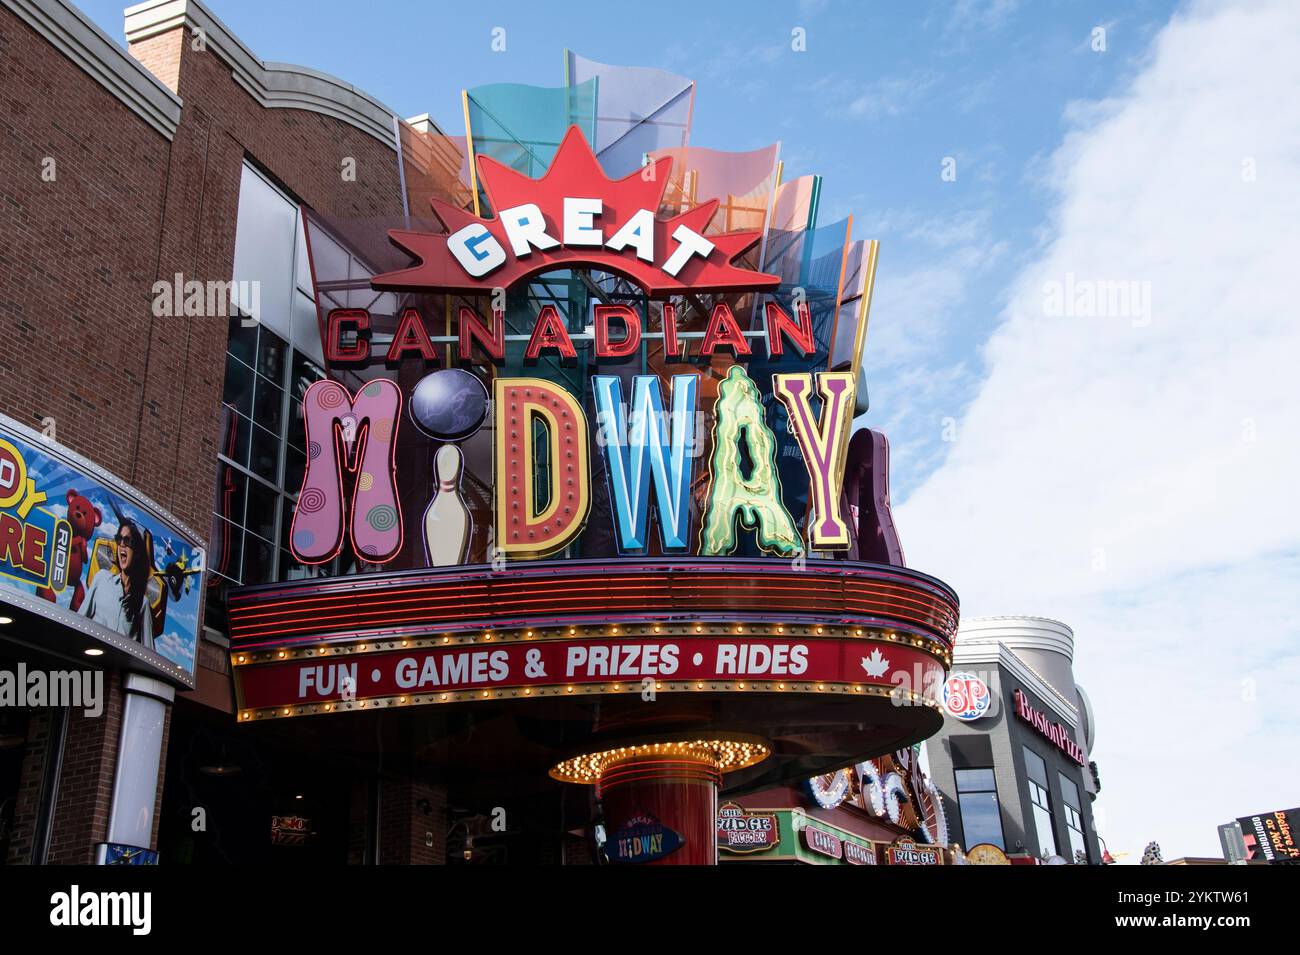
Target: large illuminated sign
521, 667
693, 461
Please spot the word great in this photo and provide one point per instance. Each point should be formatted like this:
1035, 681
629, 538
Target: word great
478, 252
575, 216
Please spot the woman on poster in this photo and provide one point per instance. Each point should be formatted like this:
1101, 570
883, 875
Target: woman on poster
119, 600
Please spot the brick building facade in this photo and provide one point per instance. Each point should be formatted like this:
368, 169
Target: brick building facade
130, 173
120, 168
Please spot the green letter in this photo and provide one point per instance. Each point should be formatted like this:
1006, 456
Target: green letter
738, 411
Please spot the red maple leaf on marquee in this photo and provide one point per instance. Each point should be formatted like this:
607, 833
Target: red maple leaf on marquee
575, 172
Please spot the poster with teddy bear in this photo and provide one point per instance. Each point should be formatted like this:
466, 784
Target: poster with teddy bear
80, 539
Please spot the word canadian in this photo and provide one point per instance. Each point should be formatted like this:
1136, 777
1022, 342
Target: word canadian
347, 335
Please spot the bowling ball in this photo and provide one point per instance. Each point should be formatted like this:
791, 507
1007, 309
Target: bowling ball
449, 404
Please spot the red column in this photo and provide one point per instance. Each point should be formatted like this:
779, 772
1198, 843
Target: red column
679, 792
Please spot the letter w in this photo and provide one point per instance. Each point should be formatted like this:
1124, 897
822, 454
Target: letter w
633, 454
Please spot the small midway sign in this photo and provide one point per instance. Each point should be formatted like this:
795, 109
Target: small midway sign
643, 838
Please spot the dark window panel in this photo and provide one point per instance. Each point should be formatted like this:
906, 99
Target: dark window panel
238, 388
264, 456
293, 569
297, 430
286, 522
232, 490
1035, 768
259, 560
214, 607
268, 406
226, 550
242, 342
305, 372
295, 464
262, 504
236, 431
271, 355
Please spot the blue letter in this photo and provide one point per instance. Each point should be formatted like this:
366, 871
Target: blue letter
627, 451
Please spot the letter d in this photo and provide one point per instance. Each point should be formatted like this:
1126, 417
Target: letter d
522, 530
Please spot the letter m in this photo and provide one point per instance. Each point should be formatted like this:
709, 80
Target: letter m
357, 435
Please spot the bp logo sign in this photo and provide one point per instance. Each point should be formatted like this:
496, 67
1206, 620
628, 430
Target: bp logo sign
966, 696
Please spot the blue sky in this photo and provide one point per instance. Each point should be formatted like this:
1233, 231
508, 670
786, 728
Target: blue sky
1130, 472
882, 93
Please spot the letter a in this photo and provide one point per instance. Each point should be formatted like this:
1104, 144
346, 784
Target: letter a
738, 413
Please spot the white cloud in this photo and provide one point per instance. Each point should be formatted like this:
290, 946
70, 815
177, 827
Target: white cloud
176, 648
1135, 475
965, 17
891, 95
933, 262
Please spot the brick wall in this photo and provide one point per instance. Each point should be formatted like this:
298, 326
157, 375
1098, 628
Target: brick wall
79, 255
406, 828
28, 801
220, 124
86, 783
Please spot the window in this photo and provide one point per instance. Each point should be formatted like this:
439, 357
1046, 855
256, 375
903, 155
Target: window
977, 801
273, 353
260, 462
1036, 771
1073, 819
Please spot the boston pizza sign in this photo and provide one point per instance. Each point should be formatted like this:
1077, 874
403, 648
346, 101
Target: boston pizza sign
1056, 732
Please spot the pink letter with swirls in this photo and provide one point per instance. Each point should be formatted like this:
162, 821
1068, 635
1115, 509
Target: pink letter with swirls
366, 427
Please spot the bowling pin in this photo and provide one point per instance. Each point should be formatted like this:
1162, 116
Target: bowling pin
447, 521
